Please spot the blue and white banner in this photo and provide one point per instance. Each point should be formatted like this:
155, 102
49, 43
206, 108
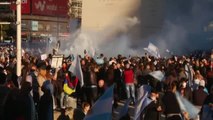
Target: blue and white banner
186, 106
142, 100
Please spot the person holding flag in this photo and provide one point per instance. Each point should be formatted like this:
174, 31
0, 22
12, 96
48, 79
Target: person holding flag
172, 108
152, 110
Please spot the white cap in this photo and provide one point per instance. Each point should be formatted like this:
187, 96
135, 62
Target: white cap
202, 83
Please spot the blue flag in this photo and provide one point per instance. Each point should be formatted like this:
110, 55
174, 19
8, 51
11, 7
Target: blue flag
102, 109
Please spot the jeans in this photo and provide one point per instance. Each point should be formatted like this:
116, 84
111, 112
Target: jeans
63, 97
130, 91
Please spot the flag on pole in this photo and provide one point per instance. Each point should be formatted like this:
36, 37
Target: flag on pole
102, 109
153, 50
186, 106
75, 68
142, 100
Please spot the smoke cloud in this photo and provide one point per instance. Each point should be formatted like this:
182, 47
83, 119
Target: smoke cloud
183, 29
176, 25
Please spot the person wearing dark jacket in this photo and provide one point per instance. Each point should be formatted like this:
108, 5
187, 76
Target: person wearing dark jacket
199, 95
172, 109
63, 115
207, 106
152, 111
90, 84
80, 113
118, 80
45, 104
4, 91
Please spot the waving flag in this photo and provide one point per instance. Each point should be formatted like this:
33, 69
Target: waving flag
186, 106
102, 109
157, 75
153, 50
75, 68
142, 100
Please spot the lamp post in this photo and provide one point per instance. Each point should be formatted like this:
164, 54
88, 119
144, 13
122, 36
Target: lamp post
18, 41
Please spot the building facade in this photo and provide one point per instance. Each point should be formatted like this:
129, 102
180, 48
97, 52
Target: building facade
42, 19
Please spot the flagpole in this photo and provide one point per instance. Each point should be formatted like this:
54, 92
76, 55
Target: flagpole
18, 41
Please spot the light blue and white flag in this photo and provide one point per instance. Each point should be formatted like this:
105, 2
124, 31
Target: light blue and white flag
102, 109
153, 50
142, 100
186, 106
75, 68
157, 75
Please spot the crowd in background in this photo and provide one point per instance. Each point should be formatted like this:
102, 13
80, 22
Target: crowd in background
42, 89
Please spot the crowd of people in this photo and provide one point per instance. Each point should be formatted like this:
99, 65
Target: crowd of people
41, 89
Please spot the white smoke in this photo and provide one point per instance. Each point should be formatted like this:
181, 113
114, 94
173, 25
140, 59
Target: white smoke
111, 41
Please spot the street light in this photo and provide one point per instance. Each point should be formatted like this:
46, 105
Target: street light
18, 42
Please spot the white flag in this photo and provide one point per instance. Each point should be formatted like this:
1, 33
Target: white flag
102, 109
157, 75
153, 50
142, 100
75, 68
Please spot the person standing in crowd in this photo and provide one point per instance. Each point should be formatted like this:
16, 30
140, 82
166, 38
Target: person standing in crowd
4, 91
207, 108
153, 110
41, 78
118, 80
60, 81
129, 82
184, 89
12, 77
52, 78
172, 109
35, 86
90, 84
80, 113
101, 88
64, 115
199, 95
45, 111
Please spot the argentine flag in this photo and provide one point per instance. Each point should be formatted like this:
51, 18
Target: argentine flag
186, 106
153, 50
142, 100
75, 68
102, 109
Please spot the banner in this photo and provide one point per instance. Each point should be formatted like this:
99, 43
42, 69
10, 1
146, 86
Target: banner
25, 6
50, 7
57, 61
